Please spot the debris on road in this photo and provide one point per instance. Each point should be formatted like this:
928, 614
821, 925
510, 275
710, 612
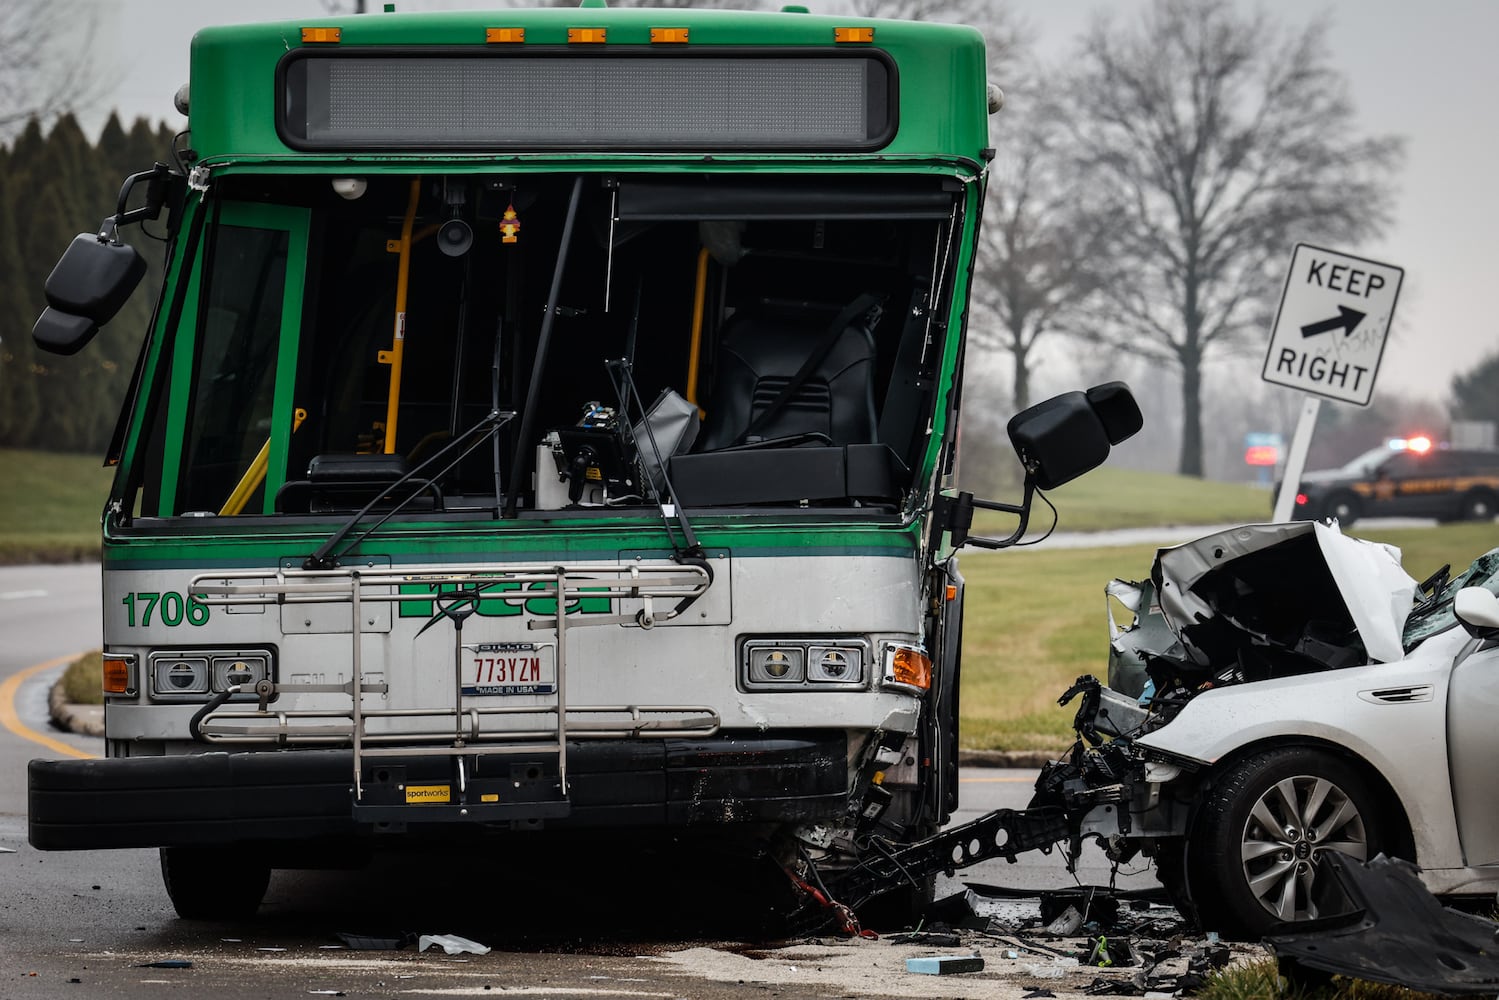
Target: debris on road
166, 963
372, 942
1397, 932
452, 944
945, 965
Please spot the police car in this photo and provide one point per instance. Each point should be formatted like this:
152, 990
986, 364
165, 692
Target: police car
1406, 477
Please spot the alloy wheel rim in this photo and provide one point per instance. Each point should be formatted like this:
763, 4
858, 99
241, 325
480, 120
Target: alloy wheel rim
1291, 824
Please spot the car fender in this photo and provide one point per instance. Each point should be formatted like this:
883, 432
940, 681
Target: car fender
1392, 716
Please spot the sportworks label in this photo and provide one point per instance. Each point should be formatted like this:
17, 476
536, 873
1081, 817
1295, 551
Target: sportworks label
417, 795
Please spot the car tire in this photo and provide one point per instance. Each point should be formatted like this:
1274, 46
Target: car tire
1251, 860
1343, 506
1477, 505
206, 884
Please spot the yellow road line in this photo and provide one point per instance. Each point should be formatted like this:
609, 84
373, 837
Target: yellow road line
10, 720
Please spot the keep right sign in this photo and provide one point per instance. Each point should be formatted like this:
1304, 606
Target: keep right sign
1332, 324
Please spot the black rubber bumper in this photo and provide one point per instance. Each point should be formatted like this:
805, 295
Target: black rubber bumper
218, 798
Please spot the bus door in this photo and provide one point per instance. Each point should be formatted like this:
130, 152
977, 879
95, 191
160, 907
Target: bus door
231, 409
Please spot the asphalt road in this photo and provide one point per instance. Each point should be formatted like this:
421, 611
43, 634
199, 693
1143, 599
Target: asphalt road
592, 921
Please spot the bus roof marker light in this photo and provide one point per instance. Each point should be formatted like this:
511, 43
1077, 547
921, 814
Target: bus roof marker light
504, 36
321, 36
853, 35
586, 36
663, 36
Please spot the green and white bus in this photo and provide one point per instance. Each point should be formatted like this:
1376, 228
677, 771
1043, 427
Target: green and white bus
542, 427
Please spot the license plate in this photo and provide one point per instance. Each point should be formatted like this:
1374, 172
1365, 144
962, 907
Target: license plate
509, 668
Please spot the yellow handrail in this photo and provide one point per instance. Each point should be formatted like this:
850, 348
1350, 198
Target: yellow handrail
255, 474
699, 295
393, 356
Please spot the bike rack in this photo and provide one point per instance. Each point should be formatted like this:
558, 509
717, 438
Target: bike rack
457, 731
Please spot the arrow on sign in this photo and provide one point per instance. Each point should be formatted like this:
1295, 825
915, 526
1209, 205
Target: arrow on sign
1346, 318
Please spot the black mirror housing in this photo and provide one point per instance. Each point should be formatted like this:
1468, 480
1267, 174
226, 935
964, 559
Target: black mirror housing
94, 278
58, 332
1063, 437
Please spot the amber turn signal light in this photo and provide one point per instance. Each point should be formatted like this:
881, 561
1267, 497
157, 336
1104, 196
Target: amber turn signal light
119, 674
909, 665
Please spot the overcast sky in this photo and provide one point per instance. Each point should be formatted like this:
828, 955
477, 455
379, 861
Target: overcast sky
1424, 70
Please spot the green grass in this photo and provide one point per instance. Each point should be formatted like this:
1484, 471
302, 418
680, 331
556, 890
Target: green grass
1122, 498
1259, 980
51, 503
83, 681
1034, 621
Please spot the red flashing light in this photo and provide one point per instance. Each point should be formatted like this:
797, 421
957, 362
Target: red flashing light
1261, 454
1301, 499
1420, 444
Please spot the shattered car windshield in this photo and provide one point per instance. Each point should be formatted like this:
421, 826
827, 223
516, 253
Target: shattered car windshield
1437, 616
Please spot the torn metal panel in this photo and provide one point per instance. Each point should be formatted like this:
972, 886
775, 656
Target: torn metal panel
1397, 933
1147, 635
1302, 586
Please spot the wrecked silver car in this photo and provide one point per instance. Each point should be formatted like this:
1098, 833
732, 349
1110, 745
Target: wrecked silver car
1285, 691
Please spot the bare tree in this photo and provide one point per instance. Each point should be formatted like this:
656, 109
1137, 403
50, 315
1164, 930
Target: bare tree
1037, 253
47, 65
1217, 139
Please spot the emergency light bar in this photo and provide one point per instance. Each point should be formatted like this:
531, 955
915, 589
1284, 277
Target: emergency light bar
512, 99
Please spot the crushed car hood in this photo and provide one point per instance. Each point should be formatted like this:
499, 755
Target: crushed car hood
1298, 585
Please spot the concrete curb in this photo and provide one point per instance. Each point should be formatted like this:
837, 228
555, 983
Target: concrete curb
1008, 758
85, 720
88, 720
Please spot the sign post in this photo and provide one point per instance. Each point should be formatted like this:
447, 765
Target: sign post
1328, 339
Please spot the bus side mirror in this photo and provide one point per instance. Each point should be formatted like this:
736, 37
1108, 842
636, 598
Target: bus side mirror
85, 290
1068, 435
1057, 441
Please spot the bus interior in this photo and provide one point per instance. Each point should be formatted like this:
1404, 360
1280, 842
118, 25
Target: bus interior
784, 332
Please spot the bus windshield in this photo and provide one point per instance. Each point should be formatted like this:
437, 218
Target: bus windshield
349, 327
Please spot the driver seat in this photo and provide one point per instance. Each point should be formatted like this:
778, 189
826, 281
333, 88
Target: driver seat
762, 351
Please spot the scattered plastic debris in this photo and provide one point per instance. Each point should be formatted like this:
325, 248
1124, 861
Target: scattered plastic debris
945, 965
932, 939
1397, 932
7, 850
270, 948
1038, 995
326, 993
166, 963
372, 942
1069, 921
452, 944
1052, 970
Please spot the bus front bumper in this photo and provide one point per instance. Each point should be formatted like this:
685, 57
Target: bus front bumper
220, 798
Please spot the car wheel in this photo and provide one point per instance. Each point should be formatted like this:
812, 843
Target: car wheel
1261, 827
206, 884
1344, 507
1478, 505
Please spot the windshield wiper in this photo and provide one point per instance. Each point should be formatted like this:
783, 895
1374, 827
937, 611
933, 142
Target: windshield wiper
324, 557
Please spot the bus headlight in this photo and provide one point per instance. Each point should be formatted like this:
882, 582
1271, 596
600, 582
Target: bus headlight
178, 674
194, 674
802, 664
242, 670
775, 665
835, 665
